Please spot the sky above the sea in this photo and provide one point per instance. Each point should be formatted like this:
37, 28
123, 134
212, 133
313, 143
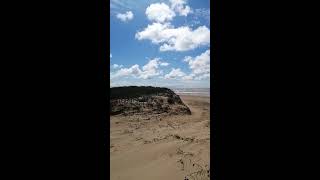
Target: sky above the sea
160, 43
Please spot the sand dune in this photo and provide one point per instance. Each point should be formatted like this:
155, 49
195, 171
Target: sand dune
162, 147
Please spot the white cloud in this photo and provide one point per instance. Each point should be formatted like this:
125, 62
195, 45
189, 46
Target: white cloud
200, 66
126, 16
154, 32
159, 12
164, 64
133, 70
188, 77
175, 39
148, 71
162, 32
180, 7
115, 66
174, 74
110, 55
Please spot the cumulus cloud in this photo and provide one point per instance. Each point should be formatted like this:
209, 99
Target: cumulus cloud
154, 33
126, 16
115, 66
159, 12
163, 33
175, 39
133, 70
148, 71
180, 7
174, 74
199, 65
164, 64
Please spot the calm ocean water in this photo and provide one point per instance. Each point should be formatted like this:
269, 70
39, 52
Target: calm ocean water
193, 91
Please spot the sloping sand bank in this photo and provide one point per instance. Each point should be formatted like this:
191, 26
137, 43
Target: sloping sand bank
162, 147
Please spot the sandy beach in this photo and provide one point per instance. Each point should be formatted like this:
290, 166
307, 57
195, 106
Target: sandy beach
162, 147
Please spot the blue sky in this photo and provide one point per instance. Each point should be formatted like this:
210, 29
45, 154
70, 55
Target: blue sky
160, 43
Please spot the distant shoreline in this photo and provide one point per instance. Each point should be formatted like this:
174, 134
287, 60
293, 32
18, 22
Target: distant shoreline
194, 94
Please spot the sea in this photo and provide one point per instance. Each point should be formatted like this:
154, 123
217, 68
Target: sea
192, 91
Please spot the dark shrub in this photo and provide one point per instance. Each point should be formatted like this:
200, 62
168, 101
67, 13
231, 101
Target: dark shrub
170, 101
161, 101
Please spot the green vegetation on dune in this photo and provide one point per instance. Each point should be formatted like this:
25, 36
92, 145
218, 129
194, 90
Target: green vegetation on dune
145, 100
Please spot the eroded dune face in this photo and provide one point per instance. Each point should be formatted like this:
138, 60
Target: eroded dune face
146, 100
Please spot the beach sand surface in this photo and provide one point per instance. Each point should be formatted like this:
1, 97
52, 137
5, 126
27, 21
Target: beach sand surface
162, 147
